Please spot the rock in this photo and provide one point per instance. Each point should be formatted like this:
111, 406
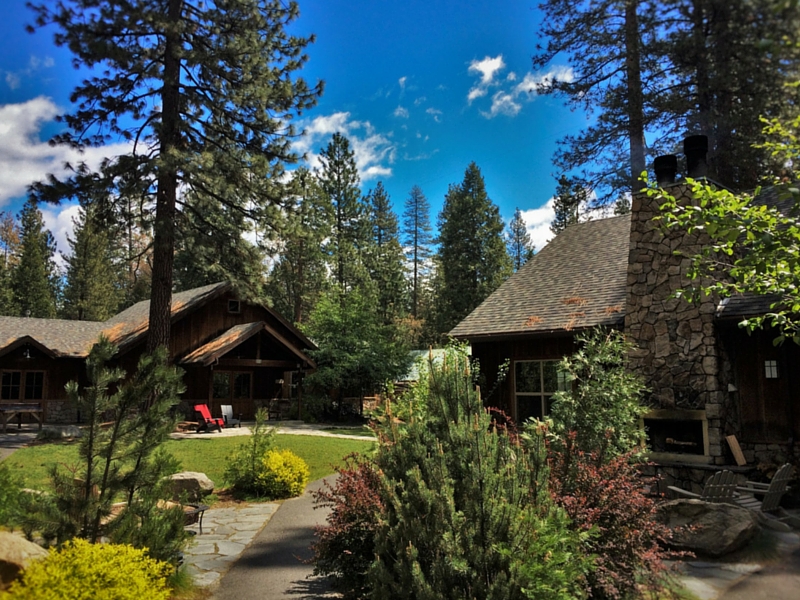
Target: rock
716, 529
194, 485
16, 553
55, 432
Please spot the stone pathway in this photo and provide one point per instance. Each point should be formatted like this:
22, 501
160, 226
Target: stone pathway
226, 533
282, 427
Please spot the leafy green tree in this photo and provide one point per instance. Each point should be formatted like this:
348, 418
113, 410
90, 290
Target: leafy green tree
357, 352
466, 508
9, 257
472, 253
204, 90
385, 259
417, 239
338, 179
34, 279
569, 203
300, 276
518, 240
92, 291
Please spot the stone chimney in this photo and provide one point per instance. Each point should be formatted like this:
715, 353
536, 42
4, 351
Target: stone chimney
678, 355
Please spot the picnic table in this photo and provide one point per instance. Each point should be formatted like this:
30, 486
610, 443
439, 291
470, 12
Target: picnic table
9, 411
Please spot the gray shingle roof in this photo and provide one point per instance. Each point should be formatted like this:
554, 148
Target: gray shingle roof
578, 280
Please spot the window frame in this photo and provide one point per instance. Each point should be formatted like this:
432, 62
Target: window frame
232, 375
544, 396
23, 376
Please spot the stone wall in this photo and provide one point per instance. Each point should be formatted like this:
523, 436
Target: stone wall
678, 354
60, 411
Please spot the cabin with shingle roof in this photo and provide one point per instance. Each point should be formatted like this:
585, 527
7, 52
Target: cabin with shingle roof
707, 377
232, 351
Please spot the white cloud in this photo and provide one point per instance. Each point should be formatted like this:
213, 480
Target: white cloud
24, 158
401, 112
419, 100
509, 101
487, 68
373, 151
435, 113
538, 222
13, 80
402, 82
58, 219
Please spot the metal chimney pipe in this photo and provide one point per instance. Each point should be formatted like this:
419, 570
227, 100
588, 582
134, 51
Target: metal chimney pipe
666, 168
695, 147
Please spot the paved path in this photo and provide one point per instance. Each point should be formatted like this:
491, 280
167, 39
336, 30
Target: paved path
273, 567
15, 439
283, 427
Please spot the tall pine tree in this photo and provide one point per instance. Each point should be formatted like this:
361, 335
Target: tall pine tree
569, 202
9, 258
520, 247
93, 289
472, 253
35, 278
417, 239
205, 88
385, 256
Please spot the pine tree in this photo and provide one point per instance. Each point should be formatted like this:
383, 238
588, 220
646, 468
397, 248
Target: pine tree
338, 179
472, 253
34, 279
93, 290
520, 247
300, 277
417, 239
385, 256
206, 89
569, 203
9, 258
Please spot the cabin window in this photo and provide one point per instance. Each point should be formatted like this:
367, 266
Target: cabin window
22, 385
234, 307
535, 381
771, 369
232, 385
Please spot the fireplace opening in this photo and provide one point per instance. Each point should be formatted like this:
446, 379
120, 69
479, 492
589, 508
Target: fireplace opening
675, 436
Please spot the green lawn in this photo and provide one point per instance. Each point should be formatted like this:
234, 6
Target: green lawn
204, 455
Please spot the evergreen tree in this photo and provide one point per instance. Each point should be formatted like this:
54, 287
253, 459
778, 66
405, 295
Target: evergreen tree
569, 203
206, 89
300, 276
93, 291
338, 179
35, 278
9, 258
472, 253
417, 239
385, 256
520, 247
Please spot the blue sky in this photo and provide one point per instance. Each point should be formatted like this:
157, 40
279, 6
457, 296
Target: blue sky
421, 88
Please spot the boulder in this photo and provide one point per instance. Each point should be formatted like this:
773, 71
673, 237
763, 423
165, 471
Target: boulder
60, 432
707, 528
16, 553
191, 484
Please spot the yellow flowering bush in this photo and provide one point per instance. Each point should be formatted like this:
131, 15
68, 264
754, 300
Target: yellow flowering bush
284, 474
84, 571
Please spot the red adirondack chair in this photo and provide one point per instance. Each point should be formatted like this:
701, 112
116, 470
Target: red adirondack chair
206, 422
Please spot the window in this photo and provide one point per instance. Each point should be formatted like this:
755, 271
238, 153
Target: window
535, 381
228, 385
771, 369
234, 307
22, 385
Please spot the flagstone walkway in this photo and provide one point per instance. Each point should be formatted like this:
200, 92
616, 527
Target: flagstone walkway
226, 533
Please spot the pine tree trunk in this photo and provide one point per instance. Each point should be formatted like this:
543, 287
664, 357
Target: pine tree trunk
635, 99
166, 194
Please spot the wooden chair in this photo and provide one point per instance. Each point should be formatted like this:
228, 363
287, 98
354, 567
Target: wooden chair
206, 422
772, 491
227, 416
720, 487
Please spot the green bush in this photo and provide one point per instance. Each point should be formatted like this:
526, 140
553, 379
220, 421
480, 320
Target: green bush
84, 571
10, 491
284, 475
245, 467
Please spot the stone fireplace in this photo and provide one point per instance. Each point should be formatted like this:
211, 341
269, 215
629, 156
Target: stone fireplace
677, 435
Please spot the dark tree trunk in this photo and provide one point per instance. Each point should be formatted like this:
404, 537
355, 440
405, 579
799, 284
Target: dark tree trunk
164, 237
635, 99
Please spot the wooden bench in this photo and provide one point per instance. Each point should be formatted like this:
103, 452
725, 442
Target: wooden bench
9, 411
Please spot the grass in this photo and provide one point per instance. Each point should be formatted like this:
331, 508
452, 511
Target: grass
207, 456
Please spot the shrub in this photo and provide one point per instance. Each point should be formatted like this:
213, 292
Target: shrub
84, 571
284, 475
345, 547
10, 492
608, 498
246, 466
